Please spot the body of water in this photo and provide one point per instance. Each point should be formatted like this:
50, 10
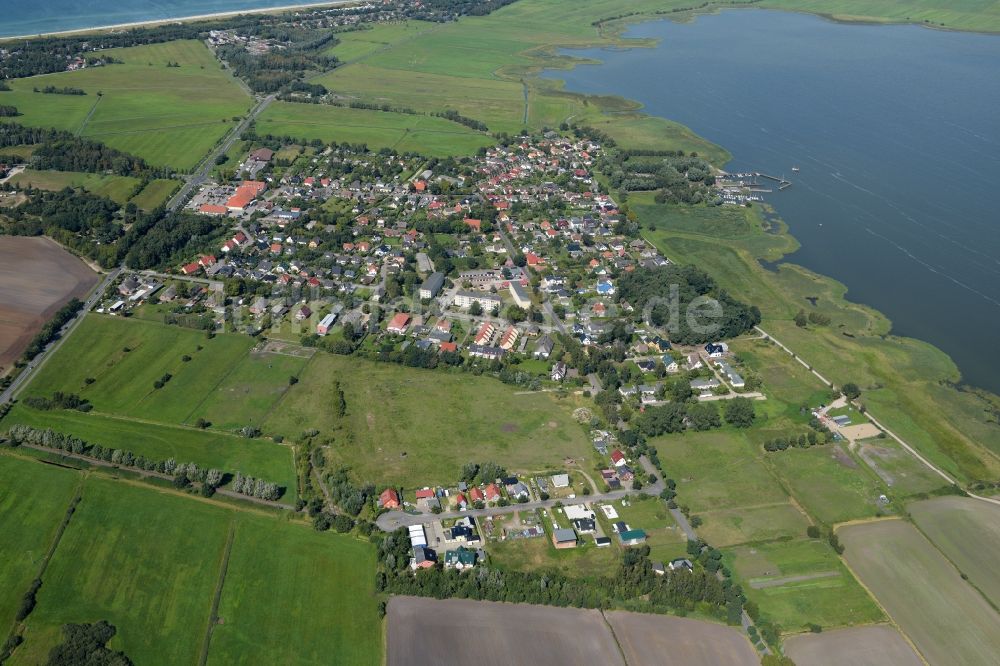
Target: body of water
895, 129
32, 18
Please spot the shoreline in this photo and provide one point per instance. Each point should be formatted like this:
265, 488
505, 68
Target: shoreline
180, 19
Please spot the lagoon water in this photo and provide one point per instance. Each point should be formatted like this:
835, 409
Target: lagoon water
21, 17
896, 130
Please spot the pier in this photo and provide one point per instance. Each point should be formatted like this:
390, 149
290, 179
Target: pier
782, 183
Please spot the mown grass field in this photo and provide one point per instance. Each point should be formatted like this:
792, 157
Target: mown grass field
298, 597
229, 453
116, 188
967, 531
150, 561
403, 132
949, 621
33, 502
147, 562
414, 427
170, 116
808, 584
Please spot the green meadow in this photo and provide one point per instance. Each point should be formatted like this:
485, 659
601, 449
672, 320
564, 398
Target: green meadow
800, 582
414, 427
33, 503
361, 43
156, 193
150, 563
402, 132
974, 15
170, 116
117, 188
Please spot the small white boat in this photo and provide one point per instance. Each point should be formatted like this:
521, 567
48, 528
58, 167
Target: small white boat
795, 168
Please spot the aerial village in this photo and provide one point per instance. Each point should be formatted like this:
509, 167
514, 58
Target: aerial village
499, 260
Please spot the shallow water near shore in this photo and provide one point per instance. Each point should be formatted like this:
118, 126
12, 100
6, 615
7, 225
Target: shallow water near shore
896, 135
31, 18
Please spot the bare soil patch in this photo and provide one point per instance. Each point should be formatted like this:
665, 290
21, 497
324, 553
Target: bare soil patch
662, 640
458, 632
859, 646
843, 458
37, 277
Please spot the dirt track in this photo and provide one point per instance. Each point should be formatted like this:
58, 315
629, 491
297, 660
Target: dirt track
37, 277
858, 646
457, 632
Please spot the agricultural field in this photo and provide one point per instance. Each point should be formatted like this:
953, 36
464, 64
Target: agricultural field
402, 132
117, 188
645, 640
33, 503
800, 582
256, 457
150, 563
967, 531
145, 561
170, 116
295, 596
37, 277
413, 427
878, 645
944, 616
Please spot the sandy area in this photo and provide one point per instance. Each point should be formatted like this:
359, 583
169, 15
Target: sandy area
37, 277
859, 431
859, 646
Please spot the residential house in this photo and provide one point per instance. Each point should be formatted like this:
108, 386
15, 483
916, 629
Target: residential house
543, 349
558, 371
564, 538
632, 537
399, 323
423, 558
618, 458
460, 558
560, 480
432, 286
389, 499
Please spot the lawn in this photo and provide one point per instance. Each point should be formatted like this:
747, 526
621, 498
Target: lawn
33, 503
116, 188
664, 537
948, 621
414, 427
145, 561
829, 483
402, 132
170, 116
967, 531
125, 357
229, 453
800, 582
295, 596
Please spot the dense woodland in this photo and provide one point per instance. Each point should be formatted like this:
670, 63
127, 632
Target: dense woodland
676, 177
63, 151
664, 296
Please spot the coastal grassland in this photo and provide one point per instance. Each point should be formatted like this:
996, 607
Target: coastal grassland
944, 616
972, 15
412, 427
156, 193
784, 382
116, 188
125, 358
293, 595
360, 43
800, 582
830, 483
906, 383
33, 503
967, 531
249, 393
899, 469
145, 561
229, 453
170, 116
403, 132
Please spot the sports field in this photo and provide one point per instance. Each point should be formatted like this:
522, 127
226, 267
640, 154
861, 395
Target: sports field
414, 427
949, 621
116, 188
800, 582
150, 562
402, 132
33, 502
967, 531
170, 116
